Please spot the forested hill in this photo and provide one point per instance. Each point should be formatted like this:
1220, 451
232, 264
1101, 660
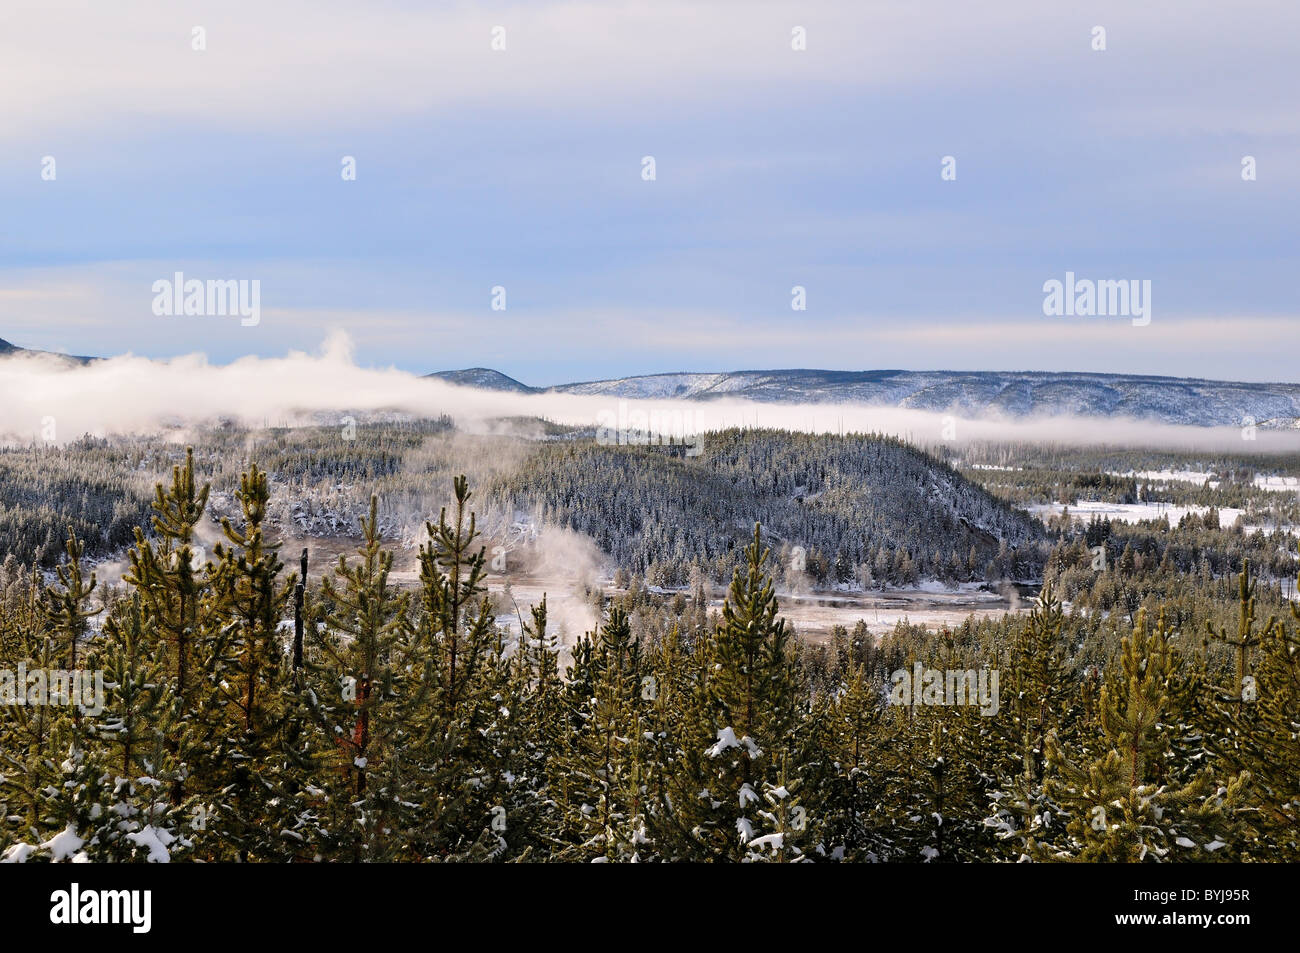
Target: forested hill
860, 508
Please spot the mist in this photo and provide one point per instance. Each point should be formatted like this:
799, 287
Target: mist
44, 399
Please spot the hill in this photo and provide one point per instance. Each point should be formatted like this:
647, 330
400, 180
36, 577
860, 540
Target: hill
1003, 394
8, 350
484, 378
843, 502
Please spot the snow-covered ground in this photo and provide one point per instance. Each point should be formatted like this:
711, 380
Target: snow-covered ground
1269, 528
1084, 510
1171, 476
1273, 484
1278, 484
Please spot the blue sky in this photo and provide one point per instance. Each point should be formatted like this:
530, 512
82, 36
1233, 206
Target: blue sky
774, 168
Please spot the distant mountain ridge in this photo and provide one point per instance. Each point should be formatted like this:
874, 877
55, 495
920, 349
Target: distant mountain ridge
1190, 401
7, 349
1010, 394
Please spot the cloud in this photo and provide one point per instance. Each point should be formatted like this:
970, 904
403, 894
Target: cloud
131, 394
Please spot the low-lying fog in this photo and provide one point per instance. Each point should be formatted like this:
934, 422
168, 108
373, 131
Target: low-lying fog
43, 399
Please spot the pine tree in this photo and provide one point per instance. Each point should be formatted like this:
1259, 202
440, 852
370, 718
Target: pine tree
68, 606
1116, 811
603, 765
466, 725
248, 708
747, 713
128, 744
851, 788
783, 824
368, 678
107, 798
535, 738
938, 761
32, 731
1041, 704
167, 575
1254, 727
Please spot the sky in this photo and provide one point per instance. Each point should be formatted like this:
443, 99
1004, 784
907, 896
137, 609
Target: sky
522, 168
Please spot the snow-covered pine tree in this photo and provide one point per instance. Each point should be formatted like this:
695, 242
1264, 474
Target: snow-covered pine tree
243, 767
1254, 728
68, 604
603, 765
937, 769
107, 800
533, 738
850, 786
467, 723
1041, 701
166, 573
367, 678
1115, 809
749, 715
28, 762
784, 821
136, 818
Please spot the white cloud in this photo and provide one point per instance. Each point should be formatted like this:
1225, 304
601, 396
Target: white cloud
148, 394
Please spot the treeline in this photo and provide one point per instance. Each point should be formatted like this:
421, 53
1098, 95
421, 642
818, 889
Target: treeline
405, 725
1112, 566
1041, 455
1027, 473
